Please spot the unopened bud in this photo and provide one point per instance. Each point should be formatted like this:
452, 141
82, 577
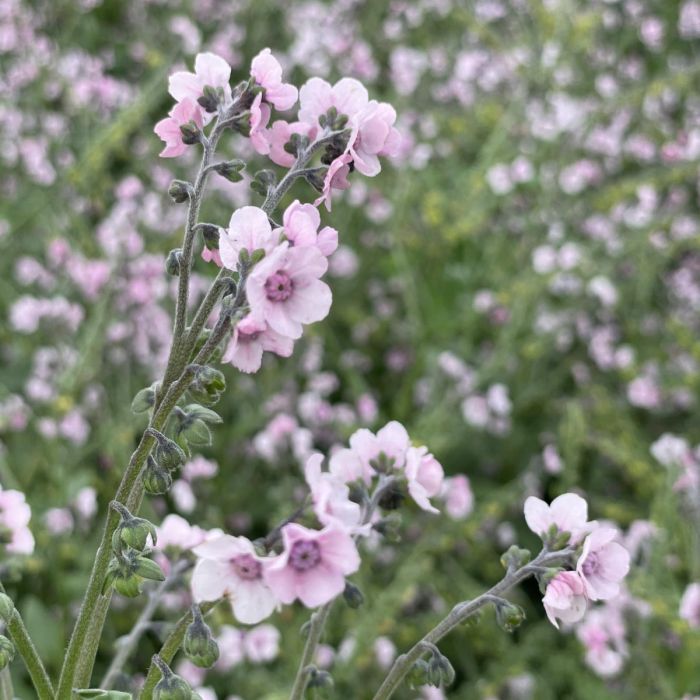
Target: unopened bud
191, 133
156, 479
441, 672
353, 595
169, 454
7, 652
208, 385
419, 674
144, 400
509, 616
209, 100
263, 182
198, 643
197, 433
147, 568
320, 680
7, 608
230, 169
316, 177
515, 557
132, 531
170, 686
210, 235
172, 262
180, 191
392, 497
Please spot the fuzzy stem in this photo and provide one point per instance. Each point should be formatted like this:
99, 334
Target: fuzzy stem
402, 665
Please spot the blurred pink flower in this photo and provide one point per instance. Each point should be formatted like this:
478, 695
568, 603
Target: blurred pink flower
458, 496
15, 514
424, 474
261, 644
689, 609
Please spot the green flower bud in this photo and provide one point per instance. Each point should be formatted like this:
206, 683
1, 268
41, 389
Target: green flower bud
316, 177
210, 99
180, 191
170, 686
131, 531
263, 182
441, 672
193, 410
172, 262
197, 433
170, 455
7, 652
144, 400
127, 585
147, 568
353, 595
231, 170
191, 133
515, 558
156, 480
198, 643
210, 235
389, 527
392, 497
7, 607
509, 616
320, 681
419, 674
208, 385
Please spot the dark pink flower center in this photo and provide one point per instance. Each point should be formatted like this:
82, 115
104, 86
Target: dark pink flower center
591, 566
246, 567
305, 555
279, 287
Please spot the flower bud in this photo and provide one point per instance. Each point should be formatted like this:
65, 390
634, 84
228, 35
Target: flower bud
321, 681
263, 182
441, 673
509, 616
191, 133
392, 497
128, 586
515, 558
419, 674
147, 568
210, 99
156, 480
197, 433
198, 643
297, 143
179, 191
144, 400
7, 608
172, 262
170, 686
316, 177
7, 652
131, 531
210, 235
230, 169
353, 595
208, 385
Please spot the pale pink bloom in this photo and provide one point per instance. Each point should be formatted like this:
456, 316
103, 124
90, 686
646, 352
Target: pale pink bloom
74, 427
602, 564
301, 223
392, 441
251, 337
85, 502
199, 468
248, 229
552, 460
210, 70
262, 643
325, 656
316, 97
602, 633
346, 465
384, 651
212, 255
424, 474
194, 675
259, 117
567, 513
168, 129
313, 565
177, 533
376, 136
183, 496
285, 290
689, 609
267, 72
231, 650
565, 598
689, 20
229, 566
15, 514
278, 136
458, 496
58, 521
331, 496
336, 179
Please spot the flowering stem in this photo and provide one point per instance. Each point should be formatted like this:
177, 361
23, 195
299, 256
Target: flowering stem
402, 665
169, 649
127, 644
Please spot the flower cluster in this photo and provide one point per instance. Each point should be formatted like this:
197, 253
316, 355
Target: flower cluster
15, 535
601, 565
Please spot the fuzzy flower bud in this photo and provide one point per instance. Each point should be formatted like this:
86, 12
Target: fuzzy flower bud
156, 479
230, 169
144, 400
509, 615
515, 558
208, 385
169, 454
179, 191
419, 674
170, 686
131, 531
7, 652
7, 608
353, 595
198, 643
172, 262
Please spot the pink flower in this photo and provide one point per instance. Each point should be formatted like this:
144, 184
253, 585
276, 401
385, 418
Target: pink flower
316, 97
331, 496
229, 566
602, 564
347, 466
248, 229
565, 598
458, 496
267, 72
262, 643
231, 650
390, 443
301, 222
259, 117
278, 136
177, 533
313, 564
566, 513
424, 474
690, 605
251, 337
14, 519
212, 255
376, 136
210, 70
285, 289
602, 633
336, 179
168, 129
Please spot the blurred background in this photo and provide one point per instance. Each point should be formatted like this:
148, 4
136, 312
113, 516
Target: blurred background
520, 288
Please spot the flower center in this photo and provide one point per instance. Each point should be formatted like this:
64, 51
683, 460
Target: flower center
246, 567
279, 287
591, 565
305, 555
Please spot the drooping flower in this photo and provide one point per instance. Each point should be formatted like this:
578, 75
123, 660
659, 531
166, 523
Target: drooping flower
15, 514
251, 337
210, 70
301, 223
424, 474
565, 598
248, 229
284, 289
267, 72
229, 566
603, 564
168, 129
566, 513
313, 565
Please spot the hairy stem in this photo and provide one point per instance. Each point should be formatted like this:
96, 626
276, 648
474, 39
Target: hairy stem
402, 665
